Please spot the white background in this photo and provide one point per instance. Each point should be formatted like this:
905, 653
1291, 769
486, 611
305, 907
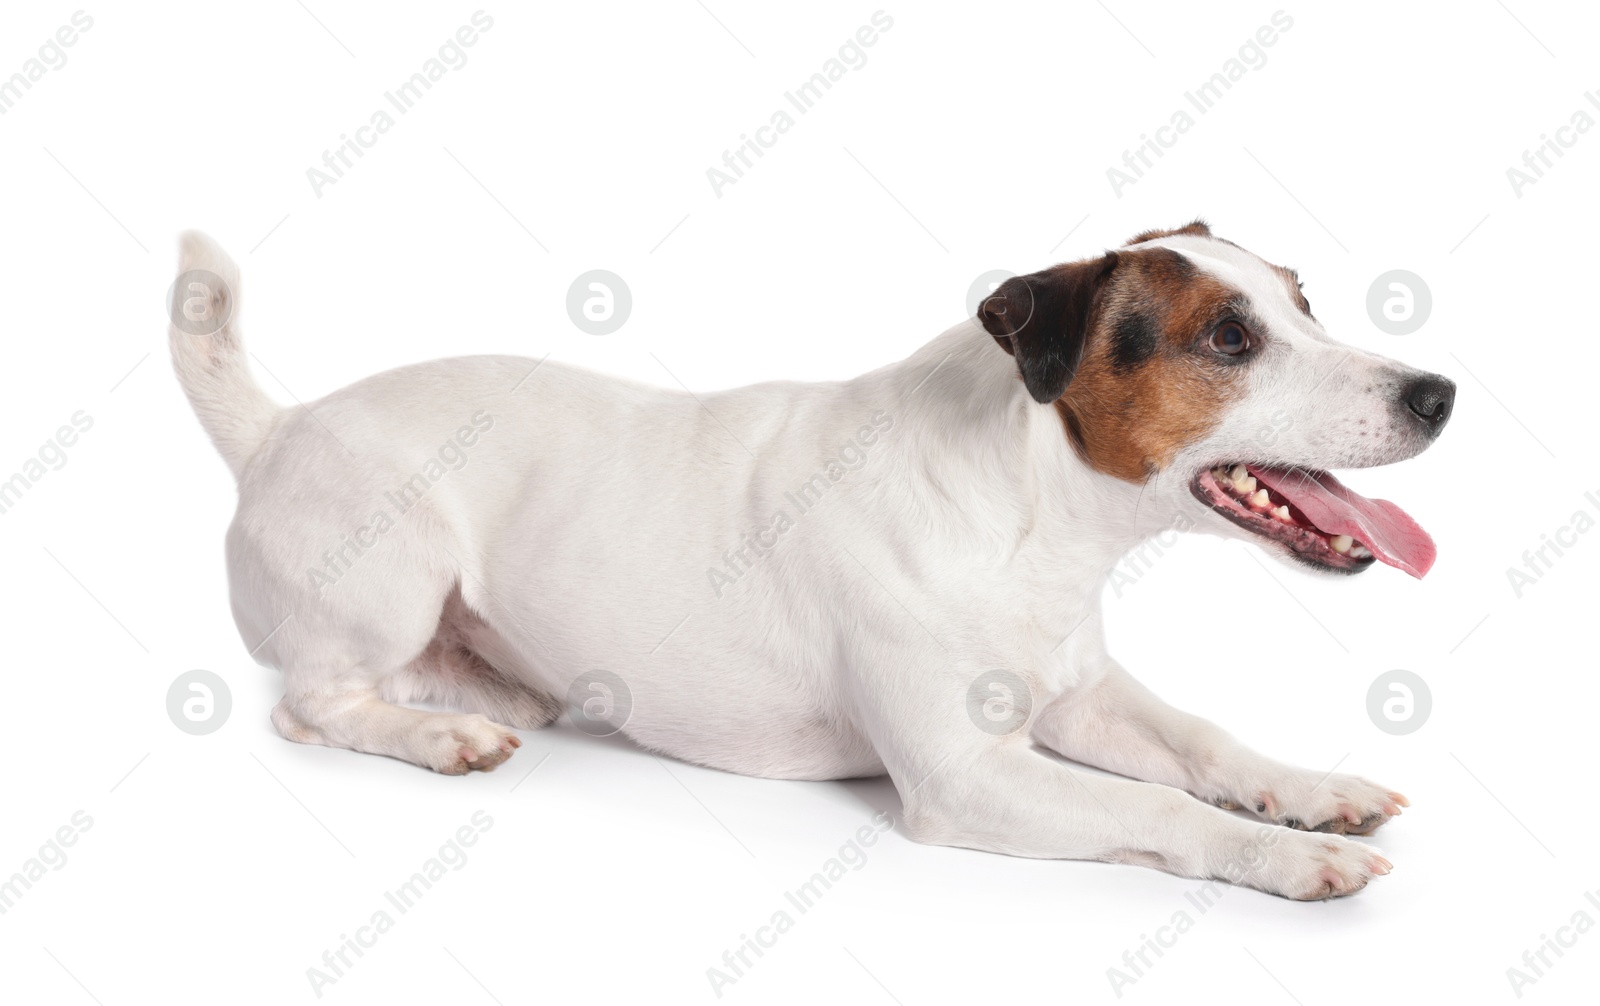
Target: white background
221, 867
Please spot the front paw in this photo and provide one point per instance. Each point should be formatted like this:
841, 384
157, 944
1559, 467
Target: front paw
1308, 867
1338, 804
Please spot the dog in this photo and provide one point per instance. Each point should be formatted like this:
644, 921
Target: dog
897, 574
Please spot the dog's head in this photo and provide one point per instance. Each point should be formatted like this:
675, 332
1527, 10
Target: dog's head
1190, 367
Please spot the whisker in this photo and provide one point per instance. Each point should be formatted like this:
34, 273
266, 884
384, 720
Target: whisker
1140, 499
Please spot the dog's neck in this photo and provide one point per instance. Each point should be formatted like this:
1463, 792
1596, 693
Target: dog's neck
1001, 467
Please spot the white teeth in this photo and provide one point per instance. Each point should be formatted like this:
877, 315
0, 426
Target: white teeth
1282, 513
1341, 543
1245, 486
1238, 473
1359, 551
1260, 499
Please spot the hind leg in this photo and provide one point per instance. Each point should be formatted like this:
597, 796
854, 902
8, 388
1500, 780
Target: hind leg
358, 718
339, 639
462, 668
336, 652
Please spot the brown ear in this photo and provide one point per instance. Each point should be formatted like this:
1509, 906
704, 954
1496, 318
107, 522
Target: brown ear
1043, 318
1196, 227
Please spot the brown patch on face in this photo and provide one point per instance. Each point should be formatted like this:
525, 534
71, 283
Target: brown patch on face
1146, 386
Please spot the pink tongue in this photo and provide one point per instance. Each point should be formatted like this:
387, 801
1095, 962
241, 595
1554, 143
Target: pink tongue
1384, 528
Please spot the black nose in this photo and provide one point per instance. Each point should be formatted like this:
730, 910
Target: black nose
1430, 398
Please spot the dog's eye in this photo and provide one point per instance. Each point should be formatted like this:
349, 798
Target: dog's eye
1230, 339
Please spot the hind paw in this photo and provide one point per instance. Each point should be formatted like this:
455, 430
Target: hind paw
467, 742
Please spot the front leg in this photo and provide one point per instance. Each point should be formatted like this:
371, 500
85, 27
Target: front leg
963, 783
1003, 795
1115, 723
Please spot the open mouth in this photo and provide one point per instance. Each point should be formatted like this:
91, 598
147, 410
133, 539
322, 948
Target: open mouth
1315, 518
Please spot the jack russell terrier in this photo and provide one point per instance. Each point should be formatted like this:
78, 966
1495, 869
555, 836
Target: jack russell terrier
900, 573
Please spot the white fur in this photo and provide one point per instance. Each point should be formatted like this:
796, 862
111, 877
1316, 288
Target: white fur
580, 531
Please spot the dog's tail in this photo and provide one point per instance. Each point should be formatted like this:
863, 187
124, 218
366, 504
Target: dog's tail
209, 355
